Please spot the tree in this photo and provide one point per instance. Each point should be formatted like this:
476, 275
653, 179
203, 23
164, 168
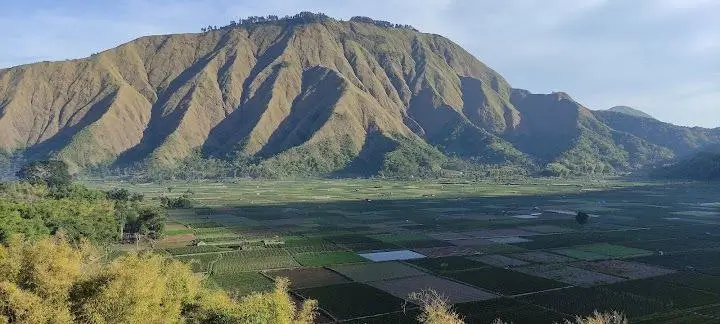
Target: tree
51, 281
582, 218
54, 174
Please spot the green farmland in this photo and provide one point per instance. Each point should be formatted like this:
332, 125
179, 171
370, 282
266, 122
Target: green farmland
515, 251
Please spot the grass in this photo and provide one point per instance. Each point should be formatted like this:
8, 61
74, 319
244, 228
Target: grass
322, 259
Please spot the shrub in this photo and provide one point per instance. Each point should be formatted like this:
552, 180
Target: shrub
435, 308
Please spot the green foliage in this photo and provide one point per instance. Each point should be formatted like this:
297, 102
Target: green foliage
582, 218
141, 218
703, 166
50, 281
412, 158
182, 202
36, 211
315, 159
53, 174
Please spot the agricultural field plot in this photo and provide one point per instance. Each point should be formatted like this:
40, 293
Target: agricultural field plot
444, 264
584, 301
675, 245
503, 281
406, 316
526, 314
702, 261
320, 259
686, 317
360, 243
185, 250
613, 251
254, 260
624, 269
509, 240
364, 272
308, 277
242, 283
445, 251
581, 255
694, 280
500, 261
201, 262
498, 233
454, 292
399, 255
542, 257
670, 295
547, 229
471, 242
353, 300
508, 310
570, 275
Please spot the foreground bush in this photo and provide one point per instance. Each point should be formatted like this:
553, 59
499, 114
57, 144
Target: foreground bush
51, 281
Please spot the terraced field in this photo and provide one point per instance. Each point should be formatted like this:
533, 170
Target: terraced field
510, 251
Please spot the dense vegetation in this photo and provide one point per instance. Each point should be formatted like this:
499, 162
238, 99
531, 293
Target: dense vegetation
45, 202
52, 281
703, 166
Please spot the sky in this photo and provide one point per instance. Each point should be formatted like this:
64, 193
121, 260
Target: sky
660, 56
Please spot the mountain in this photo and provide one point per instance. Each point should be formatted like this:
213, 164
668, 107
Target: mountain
704, 165
681, 140
630, 111
310, 94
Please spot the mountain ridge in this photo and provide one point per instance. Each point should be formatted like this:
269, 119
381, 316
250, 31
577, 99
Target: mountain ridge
630, 111
313, 92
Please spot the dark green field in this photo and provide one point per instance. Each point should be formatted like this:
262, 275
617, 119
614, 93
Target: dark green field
484, 236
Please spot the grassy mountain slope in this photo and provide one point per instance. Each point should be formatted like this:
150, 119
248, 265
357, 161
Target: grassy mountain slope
630, 111
681, 140
703, 166
312, 96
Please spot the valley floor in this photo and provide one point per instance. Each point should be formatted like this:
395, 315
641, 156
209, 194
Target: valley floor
513, 251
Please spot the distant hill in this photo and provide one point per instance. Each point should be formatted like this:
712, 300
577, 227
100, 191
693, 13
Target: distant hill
704, 165
630, 111
311, 95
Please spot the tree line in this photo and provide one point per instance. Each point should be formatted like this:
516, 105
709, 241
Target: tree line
45, 202
301, 18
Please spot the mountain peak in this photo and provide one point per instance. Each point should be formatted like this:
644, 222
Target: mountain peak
630, 111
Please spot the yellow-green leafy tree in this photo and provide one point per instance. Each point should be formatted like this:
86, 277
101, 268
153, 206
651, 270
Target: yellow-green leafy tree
53, 281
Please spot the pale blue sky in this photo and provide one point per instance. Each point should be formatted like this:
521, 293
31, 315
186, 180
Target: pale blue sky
661, 56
